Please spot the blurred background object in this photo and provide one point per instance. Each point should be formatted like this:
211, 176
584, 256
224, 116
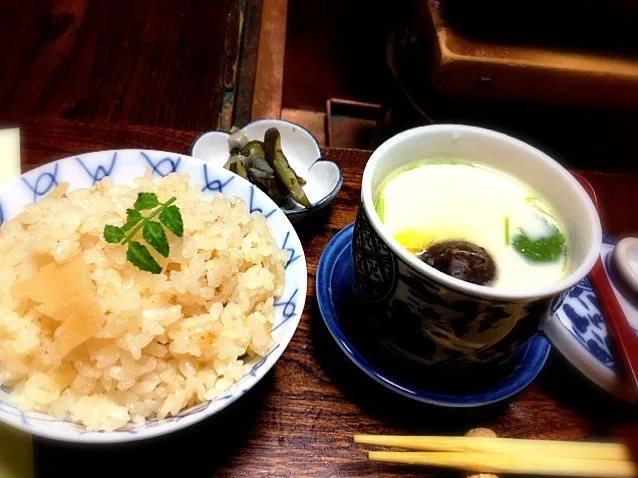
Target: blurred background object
563, 76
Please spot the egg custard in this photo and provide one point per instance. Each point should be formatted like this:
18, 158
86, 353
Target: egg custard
474, 223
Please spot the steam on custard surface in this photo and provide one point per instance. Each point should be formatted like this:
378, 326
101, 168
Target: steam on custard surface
448, 200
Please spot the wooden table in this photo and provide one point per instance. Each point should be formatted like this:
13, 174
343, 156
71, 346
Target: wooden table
299, 420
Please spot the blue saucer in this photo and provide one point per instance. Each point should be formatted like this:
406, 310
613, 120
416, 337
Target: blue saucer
334, 295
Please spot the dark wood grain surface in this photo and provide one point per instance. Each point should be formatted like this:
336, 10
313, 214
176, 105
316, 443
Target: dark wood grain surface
299, 420
152, 62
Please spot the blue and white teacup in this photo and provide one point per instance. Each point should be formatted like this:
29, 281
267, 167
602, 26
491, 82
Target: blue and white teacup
428, 317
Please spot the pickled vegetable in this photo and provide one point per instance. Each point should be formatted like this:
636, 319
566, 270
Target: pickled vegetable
267, 183
66, 293
237, 140
237, 166
284, 173
255, 149
265, 165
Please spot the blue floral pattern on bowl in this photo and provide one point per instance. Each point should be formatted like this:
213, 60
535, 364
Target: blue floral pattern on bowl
426, 322
123, 166
576, 326
580, 306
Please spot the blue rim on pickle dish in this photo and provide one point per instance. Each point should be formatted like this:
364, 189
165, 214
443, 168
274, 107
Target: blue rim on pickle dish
334, 282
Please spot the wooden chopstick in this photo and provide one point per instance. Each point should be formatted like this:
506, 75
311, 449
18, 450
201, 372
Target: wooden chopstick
520, 463
544, 448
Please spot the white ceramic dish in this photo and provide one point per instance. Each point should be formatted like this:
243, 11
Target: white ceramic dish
576, 327
123, 166
324, 178
504, 153
626, 260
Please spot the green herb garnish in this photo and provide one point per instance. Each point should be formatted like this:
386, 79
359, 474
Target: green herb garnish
152, 231
133, 217
545, 249
172, 219
507, 230
138, 255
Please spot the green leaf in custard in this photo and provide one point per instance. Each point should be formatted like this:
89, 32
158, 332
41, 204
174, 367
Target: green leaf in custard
545, 249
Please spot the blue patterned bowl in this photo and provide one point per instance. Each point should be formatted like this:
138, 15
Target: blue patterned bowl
122, 167
338, 309
441, 322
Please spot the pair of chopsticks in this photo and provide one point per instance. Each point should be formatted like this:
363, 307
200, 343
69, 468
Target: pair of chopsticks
506, 455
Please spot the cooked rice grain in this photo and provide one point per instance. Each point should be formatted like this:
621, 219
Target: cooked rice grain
166, 341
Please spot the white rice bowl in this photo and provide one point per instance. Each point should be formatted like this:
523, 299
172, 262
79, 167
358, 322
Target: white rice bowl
165, 350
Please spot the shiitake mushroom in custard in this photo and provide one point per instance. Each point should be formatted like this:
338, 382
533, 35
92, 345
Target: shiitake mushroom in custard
462, 260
